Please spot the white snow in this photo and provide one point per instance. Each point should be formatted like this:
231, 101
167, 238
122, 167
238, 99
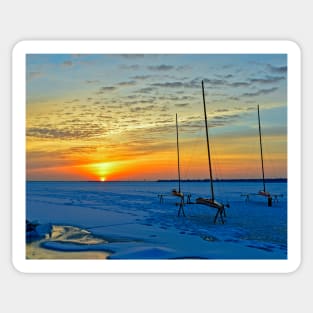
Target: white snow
130, 222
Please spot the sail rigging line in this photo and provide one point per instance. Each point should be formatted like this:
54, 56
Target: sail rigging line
216, 168
269, 159
194, 148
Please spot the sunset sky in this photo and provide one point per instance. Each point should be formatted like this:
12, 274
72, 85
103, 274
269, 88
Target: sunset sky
112, 117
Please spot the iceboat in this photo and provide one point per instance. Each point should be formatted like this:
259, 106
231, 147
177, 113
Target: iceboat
211, 202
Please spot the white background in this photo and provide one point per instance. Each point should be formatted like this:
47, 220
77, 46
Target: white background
222, 19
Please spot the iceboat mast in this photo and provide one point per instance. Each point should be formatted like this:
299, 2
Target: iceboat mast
262, 192
261, 150
208, 143
174, 191
211, 202
178, 163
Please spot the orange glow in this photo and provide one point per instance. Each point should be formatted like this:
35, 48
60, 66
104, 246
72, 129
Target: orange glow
126, 163
100, 171
163, 165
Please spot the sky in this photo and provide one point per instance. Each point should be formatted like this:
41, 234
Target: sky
112, 116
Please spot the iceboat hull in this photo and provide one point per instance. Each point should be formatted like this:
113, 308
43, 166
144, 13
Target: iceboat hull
177, 193
213, 204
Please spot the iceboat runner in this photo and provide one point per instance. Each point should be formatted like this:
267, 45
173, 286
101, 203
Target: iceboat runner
211, 202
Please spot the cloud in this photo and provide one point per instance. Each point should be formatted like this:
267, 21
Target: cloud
141, 77
259, 92
267, 80
183, 67
130, 67
182, 104
222, 110
104, 89
215, 82
169, 84
42, 159
92, 81
67, 63
220, 117
140, 101
37, 159
67, 129
143, 109
277, 69
161, 67
135, 148
146, 90
32, 75
82, 149
72, 101
239, 84
228, 76
224, 76
127, 83
234, 98
45, 132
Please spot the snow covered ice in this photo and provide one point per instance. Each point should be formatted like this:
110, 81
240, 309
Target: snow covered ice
126, 220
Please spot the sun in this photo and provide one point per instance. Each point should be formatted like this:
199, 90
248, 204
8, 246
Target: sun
103, 179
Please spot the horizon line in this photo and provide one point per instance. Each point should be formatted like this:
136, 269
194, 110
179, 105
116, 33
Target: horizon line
165, 180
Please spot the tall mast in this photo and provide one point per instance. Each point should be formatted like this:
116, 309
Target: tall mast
260, 135
208, 143
178, 165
